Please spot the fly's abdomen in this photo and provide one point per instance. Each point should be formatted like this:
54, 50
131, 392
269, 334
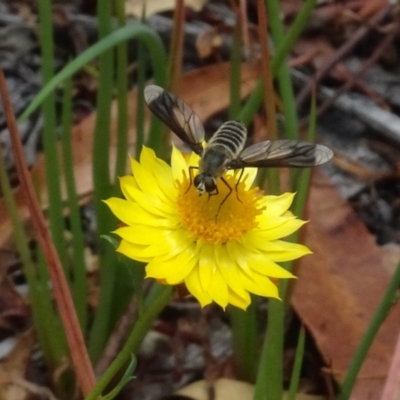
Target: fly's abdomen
232, 136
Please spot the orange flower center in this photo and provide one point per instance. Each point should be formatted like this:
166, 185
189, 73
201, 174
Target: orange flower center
222, 217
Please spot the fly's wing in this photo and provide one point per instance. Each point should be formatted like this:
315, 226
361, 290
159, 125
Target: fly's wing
282, 153
177, 115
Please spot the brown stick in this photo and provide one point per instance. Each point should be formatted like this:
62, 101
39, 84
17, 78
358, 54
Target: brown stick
341, 52
266, 72
356, 77
79, 355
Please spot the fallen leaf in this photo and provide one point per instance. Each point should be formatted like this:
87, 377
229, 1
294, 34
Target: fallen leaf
340, 287
14, 309
14, 367
135, 7
229, 389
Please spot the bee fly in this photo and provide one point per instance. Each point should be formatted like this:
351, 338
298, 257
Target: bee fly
225, 150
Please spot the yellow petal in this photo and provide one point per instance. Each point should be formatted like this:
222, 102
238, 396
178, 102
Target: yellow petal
126, 182
237, 301
218, 290
147, 182
249, 176
132, 251
153, 204
229, 271
178, 164
277, 205
132, 214
248, 259
266, 222
194, 160
161, 170
193, 285
124, 210
142, 217
173, 242
175, 269
140, 234
279, 231
206, 264
260, 285
278, 250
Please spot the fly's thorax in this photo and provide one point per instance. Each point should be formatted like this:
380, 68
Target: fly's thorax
214, 160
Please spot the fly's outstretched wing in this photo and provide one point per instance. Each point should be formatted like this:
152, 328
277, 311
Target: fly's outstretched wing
177, 115
282, 153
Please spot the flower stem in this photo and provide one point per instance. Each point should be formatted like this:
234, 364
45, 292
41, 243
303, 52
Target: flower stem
62, 295
244, 331
156, 301
269, 377
380, 315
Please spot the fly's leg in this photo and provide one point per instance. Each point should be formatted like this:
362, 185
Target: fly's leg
216, 192
190, 177
237, 184
223, 201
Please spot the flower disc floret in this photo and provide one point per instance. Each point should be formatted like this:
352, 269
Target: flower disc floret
218, 218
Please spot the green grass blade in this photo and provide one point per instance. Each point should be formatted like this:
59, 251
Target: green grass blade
270, 370
49, 136
78, 265
140, 104
389, 299
235, 72
141, 32
122, 96
283, 48
39, 291
245, 341
158, 298
298, 361
103, 188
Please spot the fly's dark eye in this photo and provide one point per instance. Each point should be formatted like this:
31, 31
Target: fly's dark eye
210, 184
197, 180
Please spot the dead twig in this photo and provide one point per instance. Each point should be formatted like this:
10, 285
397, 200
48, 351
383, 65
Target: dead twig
341, 52
352, 81
80, 358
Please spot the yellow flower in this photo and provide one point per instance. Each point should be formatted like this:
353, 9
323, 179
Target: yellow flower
221, 253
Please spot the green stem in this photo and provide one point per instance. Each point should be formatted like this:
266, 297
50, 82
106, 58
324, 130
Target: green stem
298, 361
283, 48
40, 294
157, 300
102, 186
140, 105
283, 74
389, 299
49, 135
122, 96
78, 267
270, 370
138, 30
244, 331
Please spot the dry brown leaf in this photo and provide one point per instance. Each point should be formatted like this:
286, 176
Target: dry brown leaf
371, 7
205, 89
14, 310
229, 389
135, 7
14, 367
340, 287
